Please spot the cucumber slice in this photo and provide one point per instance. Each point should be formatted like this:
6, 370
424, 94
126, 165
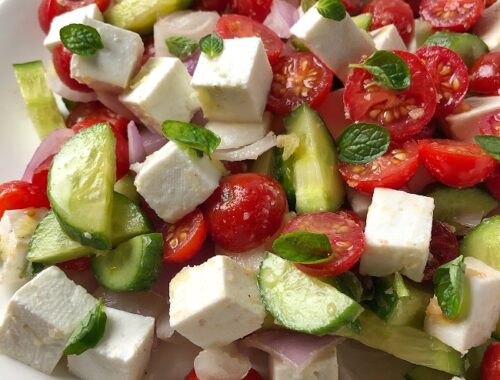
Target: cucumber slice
424, 373
483, 242
80, 186
126, 187
264, 164
316, 179
300, 302
42, 107
363, 21
132, 266
140, 15
283, 172
128, 220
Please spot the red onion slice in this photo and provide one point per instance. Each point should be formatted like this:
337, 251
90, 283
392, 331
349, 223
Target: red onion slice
192, 61
249, 152
283, 15
152, 141
136, 150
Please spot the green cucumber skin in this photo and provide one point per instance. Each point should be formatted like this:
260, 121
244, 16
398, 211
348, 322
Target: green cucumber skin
283, 173
125, 186
483, 242
469, 46
128, 220
363, 20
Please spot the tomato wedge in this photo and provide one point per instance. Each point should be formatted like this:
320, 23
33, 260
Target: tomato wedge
485, 74
41, 173
455, 15
396, 12
443, 248
61, 59
255, 9
490, 367
18, 195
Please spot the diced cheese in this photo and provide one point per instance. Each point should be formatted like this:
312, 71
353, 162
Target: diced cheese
174, 180
250, 260
234, 86
221, 363
161, 91
215, 303
387, 38
398, 234
112, 67
488, 27
190, 24
40, 318
336, 43
483, 302
360, 202
333, 113
76, 16
122, 353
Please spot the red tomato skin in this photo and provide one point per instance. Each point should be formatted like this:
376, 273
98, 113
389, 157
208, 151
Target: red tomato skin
255, 9
251, 375
244, 211
493, 183
41, 174
211, 5
78, 265
353, 7
46, 13
490, 124
96, 110
456, 163
490, 367
18, 195
485, 74
443, 248
397, 12
61, 58
469, 11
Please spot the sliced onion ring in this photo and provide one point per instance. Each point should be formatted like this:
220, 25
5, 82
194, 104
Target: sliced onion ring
249, 152
135, 145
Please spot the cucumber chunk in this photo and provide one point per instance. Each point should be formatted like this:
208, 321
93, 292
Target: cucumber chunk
483, 242
300, 302
424, 373
316, 179
80, 186
126, 187
42, 107
283, 172
264, 164
363, 21
128, 220
132, 266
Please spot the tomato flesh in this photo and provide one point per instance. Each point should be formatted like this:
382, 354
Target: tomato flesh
18, 195
78, 265
396, 12
41, 173
61, 59
443, 248
490, 367
211, 5
490, 124
244, 211
493, 183
455, 15
255, 9
485, 74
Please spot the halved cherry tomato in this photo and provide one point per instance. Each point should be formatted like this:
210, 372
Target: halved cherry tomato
185, 238
443, 248
451, 76
237, 26
485, 74
149, 49
78, 265
41, 173
96, 110
61, 58
456, 15
251, 375
403, 113
456, 163
493, 183
428, 131
393, 170
490, 124
244, 211
18, 195
211, 5
397, 12
490, 367
255, 9
298, 78
345, 234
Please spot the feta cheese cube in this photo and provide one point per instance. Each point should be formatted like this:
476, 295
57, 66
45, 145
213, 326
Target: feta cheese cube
215, 303
40, 318
161, 91
174, 180
360, 202
398, 234
336, 43
387, 38
111, 68
483, 311
233, 87
488, 27
76, 16
122, 353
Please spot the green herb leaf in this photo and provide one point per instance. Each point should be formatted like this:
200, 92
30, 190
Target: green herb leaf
349, 284
191, 135
387, 292
89, 332
332, 9
388, 69
361, 143
303, 247
212, 45
490, 144
81, 39
181, 47
356, 326
449, 281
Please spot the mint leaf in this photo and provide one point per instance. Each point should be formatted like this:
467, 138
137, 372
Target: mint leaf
349, 284
387, 293
89, 332
212, 45
449, 281
332, 9
181, 47
81, 39
388, 69
362, 142
303, 247
191, 135
490, 144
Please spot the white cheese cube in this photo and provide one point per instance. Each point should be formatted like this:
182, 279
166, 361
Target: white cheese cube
122, 353
174, 180
336, 43
398, 234
111, 68
215, 303
190, 24
40, 318
233, 87
360, 202
76, 16
387, 38
482, 316
161, 91
488, 27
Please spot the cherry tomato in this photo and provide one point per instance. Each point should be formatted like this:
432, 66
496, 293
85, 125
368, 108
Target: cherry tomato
235, 167
78, 265
456, 163
96, 110
211, 5
346, 237
251, 375
244, 211
298, 78
61, 59
443, 248
485, 74
415, 6
353, 7
149, 49
255, 9
18, 195
393, 170
237, 26
493, 183
451, 76
397, 12
490, 2
455, 15
403, 113
490, 367
490, 124
41, 174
